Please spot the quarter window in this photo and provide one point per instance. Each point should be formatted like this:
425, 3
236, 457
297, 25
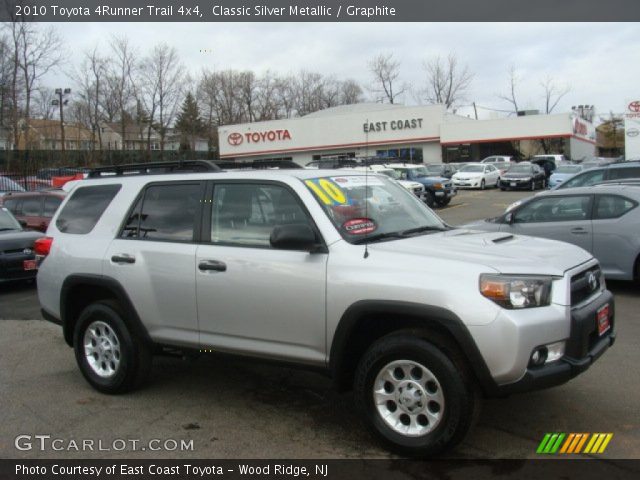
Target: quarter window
245, 214
85, 207
51, 204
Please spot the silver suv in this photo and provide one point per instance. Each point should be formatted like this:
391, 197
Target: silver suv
343, 271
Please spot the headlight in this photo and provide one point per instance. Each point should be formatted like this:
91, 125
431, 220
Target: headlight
437, 186
516, 291
526, 179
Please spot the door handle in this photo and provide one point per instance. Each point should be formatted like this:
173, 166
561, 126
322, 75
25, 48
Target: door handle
212, 265
579, 231
123, 258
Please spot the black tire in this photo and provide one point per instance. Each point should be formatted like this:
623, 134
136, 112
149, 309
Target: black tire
502, 189
134, 355
461, 399
482, 184
429, 199
443, 202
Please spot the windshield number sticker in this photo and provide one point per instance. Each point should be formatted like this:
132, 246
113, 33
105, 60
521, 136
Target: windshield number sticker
328, 192
359, 226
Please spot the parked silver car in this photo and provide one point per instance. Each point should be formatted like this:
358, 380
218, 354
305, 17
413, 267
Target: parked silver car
602, 219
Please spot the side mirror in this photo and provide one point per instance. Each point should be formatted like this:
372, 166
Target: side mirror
509, 218
22, 223
297, 236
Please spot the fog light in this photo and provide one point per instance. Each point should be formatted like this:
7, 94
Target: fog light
555, 351
538, 357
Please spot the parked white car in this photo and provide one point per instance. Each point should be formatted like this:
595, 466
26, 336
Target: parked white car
477, 175
414, 187
497, 159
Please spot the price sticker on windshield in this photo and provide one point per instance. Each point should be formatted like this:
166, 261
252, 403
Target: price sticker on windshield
327, 191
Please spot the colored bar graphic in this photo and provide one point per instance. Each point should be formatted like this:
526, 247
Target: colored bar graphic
573, 443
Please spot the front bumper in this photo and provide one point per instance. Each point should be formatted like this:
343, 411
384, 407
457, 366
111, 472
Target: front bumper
515, 183
583, 348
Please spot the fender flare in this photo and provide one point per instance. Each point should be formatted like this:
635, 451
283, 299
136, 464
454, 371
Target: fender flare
132, 319
431, 315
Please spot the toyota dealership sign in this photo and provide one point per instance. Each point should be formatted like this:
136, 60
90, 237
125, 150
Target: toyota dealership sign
632, 130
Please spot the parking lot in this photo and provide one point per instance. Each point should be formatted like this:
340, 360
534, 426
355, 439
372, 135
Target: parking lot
234, 407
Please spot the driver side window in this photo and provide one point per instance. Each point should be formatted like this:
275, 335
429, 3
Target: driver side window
245, 214
555, 209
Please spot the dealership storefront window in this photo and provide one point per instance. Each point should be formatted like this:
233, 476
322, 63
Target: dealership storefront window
405, 154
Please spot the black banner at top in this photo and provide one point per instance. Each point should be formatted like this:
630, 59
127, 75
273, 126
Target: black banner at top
320, 10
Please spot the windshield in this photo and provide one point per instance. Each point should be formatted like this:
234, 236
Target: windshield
434, 168
8, 221
569, 169
390, 173
8, 185
520, 169
380, 209
472, 168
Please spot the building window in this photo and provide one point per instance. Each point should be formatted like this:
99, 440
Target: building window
412, 155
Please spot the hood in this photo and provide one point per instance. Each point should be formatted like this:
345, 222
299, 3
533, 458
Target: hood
517, 175
12, 240
432, 180
505, 253
409, 184
467, 174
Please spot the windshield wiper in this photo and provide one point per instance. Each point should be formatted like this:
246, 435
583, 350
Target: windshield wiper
379, 236
6, 228
426, 228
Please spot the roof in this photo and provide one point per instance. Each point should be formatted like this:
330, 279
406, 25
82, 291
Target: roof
50, 129
353, 108
617, 188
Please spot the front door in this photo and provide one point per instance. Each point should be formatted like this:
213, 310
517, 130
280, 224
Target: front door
253, 298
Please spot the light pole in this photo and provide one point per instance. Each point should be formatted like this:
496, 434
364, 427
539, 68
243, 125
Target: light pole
62, 102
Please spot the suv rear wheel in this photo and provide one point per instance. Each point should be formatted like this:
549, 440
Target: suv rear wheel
413, 396
110, 357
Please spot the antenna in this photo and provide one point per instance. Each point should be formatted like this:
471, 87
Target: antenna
366, 190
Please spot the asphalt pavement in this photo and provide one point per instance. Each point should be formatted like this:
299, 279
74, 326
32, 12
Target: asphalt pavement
235, 407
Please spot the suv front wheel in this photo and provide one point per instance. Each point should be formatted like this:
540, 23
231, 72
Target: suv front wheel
109, 355
415, 398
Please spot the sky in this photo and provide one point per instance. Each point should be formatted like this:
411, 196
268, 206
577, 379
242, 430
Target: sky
600, 62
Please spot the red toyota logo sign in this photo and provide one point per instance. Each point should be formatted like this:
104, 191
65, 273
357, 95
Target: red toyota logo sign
634, 106
235, 139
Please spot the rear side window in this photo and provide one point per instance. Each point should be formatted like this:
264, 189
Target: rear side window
612, 206
31, 206
624, 172
167, 212
85, 207
51, 204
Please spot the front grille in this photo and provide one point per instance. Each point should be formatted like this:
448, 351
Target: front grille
418, 190
585, 284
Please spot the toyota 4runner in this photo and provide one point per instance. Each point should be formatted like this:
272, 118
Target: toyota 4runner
344, 271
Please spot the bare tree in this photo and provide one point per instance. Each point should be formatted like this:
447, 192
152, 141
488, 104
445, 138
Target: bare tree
513, 83
162, 73
446, 80
385, 71
92, 79
350, 92
553, 93
44, 107
121, 80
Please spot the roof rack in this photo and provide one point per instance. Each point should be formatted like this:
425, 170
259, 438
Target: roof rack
258, 165
154, 168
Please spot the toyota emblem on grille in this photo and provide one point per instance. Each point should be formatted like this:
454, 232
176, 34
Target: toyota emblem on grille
234, 139
592, 280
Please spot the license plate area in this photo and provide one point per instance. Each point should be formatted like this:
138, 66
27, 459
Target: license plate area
603, 321
29, 265
513, 184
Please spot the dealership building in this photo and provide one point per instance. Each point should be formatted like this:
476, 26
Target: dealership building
426, 134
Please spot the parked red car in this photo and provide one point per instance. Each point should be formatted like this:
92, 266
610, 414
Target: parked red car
34, 209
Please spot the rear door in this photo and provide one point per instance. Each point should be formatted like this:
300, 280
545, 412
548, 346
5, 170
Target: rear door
153, 258
253, 298
616, 241
566, 218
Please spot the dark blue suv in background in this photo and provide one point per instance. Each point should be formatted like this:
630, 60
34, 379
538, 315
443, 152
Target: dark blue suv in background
438, 190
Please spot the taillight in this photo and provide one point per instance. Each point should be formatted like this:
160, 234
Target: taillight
42, 246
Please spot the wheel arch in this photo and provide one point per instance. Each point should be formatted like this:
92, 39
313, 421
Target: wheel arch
368, 320
79, 291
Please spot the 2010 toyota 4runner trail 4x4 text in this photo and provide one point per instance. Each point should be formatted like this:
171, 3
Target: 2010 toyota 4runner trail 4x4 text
344, 271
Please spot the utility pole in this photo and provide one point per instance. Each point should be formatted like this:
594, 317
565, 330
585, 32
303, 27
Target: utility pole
62, 102
475, 110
